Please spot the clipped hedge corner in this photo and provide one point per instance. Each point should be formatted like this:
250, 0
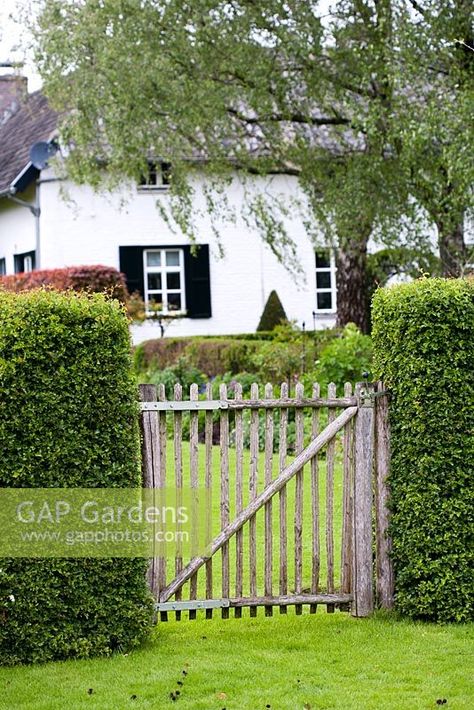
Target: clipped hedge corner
68, 418
423, 335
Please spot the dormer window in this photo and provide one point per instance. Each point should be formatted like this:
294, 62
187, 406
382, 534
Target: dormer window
158, 177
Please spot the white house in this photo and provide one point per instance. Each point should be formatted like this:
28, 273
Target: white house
48, 222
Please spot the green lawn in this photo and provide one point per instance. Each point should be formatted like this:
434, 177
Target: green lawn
283, 663
287, 662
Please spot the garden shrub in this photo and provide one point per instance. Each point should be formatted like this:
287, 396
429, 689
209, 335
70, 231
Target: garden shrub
273, 313
94, 279
344, 358
68, 420
212, 356
158, 353
423, 336
180, 373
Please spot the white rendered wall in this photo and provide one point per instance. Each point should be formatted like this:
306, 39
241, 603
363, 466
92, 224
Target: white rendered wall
90, 228
17, 229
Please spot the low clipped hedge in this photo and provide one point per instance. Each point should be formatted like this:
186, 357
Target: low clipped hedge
212, 356
218, 355
94, 279
423, 335
68, 418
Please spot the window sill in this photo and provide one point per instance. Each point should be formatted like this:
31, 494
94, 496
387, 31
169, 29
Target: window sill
145, 189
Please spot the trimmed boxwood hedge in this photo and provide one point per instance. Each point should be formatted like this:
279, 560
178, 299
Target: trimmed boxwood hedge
423, 335
68, 418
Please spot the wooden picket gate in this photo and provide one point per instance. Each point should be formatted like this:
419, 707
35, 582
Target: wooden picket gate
337, 573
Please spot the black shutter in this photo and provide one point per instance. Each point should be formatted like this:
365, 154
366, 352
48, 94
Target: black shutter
131, 265
198, 284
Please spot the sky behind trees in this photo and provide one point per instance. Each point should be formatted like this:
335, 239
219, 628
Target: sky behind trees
14, 37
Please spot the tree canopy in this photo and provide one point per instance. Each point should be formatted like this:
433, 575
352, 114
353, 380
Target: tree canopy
367, 104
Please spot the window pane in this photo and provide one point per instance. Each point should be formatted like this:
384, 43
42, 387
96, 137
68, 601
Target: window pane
323, 259
154, 282
323, 279
324, 300
172, 258
173, 280
174, 301
156, 300
153, 258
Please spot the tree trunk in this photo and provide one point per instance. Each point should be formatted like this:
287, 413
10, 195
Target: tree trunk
452, 249
352, 299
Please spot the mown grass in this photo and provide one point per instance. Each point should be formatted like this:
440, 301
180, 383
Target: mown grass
283, 663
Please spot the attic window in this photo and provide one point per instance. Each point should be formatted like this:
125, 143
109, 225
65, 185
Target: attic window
158, 177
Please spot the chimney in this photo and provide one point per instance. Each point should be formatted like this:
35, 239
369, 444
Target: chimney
13, 91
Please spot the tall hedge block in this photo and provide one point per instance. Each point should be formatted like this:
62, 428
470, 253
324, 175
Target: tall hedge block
68, 418
423, 336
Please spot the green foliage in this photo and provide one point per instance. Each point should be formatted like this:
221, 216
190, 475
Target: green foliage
344, 358
273, 313
424, 350
211, 356
182, 372
367, 108
68, 419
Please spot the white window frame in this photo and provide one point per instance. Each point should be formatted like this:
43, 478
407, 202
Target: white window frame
3, 264
164, 270
158, 185
27, 264
332, 289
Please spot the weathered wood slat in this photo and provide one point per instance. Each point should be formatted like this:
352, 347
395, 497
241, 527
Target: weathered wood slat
384, 565
208, 432
161, 482
253, 479
347, 501
178, 472
282, 455
188, 405
295, 599
239, 499
251, 509
239, 602
315, 548
296, 403
268, 584
225, 500
194, 478
362, 558
299, 482
330, 456
150, 456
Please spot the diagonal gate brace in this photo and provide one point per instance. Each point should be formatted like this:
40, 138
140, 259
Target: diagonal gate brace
296, 465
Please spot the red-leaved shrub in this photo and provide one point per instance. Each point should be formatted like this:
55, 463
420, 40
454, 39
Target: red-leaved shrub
95, 279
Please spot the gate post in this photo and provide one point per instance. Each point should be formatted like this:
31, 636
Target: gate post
384, 565
363, 604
